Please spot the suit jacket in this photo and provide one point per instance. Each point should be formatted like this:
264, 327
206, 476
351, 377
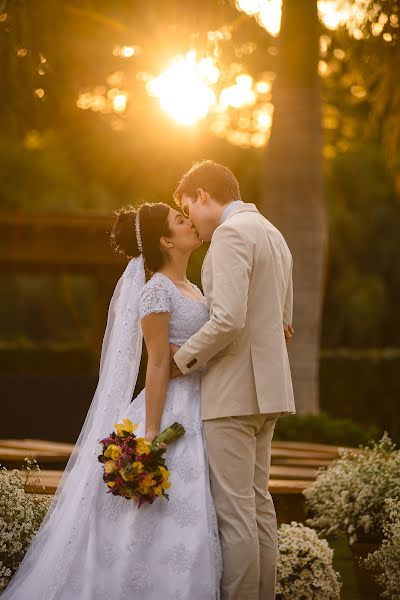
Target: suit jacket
247, 282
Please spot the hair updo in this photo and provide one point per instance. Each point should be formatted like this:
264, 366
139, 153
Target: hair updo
153, 225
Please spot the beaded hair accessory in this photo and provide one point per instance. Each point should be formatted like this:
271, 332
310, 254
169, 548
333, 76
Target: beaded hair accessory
138, 235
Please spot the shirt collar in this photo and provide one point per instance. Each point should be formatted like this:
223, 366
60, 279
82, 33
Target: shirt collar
229, 209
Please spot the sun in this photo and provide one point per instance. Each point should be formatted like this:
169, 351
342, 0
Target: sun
184, 88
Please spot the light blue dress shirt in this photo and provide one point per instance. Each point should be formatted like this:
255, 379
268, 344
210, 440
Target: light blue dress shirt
230, 208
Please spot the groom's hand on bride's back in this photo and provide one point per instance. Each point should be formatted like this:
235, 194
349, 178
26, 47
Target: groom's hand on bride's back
289, 332
174, 371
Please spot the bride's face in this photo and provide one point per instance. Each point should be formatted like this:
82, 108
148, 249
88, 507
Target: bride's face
184, 236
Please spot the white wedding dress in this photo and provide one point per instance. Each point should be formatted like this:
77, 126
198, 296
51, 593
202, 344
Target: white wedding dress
167, 550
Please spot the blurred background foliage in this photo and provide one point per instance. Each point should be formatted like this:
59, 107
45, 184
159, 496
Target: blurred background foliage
82, 132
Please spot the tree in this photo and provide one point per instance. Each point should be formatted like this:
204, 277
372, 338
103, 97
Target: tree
362, 64
293, 193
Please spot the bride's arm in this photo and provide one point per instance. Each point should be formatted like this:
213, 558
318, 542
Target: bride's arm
155, 329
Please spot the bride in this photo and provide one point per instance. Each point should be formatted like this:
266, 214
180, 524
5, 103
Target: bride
96, 546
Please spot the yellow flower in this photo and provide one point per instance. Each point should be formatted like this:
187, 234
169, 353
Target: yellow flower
137, 466
126, 474
113, 452
158, 490
110, 483
165, 475
142, 446
148, 480
146, 484
126, 425
110, 467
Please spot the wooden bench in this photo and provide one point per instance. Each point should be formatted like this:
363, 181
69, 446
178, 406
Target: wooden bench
46, 451
287, 494
294, 466
49, 480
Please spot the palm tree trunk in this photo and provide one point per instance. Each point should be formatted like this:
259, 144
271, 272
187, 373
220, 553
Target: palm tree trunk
293, 196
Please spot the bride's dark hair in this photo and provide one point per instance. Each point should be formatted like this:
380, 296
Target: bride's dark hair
153, 225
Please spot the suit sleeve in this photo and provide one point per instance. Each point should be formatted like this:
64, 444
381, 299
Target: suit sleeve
288, 307
232, 261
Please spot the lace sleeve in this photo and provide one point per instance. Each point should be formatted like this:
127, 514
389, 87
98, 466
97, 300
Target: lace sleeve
154, 299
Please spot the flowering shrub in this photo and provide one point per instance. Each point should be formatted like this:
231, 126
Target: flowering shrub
20, 517
305, 570
350, 495
385, 562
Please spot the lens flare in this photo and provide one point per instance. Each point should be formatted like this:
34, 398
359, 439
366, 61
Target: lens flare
183, 88
267, 12
239, 94
333, 13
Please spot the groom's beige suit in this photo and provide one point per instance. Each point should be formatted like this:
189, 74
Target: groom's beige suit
246, 385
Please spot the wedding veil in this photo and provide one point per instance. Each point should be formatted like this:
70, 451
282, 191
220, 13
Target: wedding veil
57, 540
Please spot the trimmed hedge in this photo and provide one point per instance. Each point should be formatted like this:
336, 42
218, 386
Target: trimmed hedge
323, 429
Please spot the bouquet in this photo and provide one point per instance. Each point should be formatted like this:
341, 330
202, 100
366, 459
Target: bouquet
135, 468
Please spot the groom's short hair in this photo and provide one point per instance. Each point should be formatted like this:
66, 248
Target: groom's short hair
213, 178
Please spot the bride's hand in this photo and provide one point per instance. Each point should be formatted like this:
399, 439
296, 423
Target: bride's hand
174, 371
151, 435
289, 332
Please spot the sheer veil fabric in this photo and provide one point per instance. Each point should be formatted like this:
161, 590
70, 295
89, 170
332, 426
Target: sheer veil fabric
49, 555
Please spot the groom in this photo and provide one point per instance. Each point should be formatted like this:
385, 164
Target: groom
246, 385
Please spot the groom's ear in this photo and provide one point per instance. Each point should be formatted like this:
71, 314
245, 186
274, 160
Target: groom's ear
202, 195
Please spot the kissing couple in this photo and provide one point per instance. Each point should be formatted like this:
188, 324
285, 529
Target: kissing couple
217, 364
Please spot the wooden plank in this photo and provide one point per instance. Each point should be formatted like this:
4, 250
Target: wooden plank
13, 454
307, 446
302, 462
49, 481
282, 472
60, 447
30, 444
286, 462
69, 241
280, 452
288, 487
288, 471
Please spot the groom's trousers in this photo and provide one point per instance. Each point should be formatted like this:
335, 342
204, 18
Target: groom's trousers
239, 454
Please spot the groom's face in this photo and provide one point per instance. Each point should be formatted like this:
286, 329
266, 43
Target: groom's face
199, 210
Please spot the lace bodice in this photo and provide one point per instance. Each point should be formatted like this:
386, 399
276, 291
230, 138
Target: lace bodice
187, 315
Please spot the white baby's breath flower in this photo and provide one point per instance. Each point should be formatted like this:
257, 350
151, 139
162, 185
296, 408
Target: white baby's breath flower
20, 517
349, 496
305, 565
385, 562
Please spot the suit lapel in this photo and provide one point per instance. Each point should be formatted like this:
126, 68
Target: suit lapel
204, 262
242, 208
